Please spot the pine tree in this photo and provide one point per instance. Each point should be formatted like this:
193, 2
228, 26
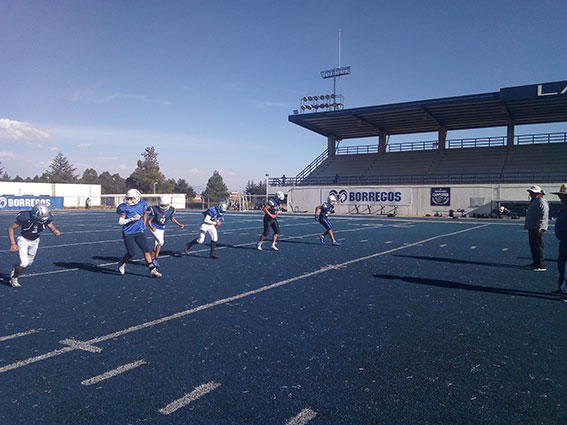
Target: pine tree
60, 171
147, 173
216, 190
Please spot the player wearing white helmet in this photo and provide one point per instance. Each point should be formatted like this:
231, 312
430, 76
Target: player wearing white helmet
211, 220
322, 216
158, 215
133, 218
32, 222
271, 212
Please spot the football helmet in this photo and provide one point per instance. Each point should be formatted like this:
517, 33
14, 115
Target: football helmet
332, 199
132, 196
164, 202
280, 196
40, 213
221, 207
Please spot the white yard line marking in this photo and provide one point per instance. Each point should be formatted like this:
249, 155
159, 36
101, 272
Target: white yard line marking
113, 372
188, 398
31, 331
302, 418
88, 345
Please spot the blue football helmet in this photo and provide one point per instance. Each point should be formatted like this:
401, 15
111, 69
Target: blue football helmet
40, 213
221, 207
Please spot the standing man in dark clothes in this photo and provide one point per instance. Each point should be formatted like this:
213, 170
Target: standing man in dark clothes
561, 234
537, 218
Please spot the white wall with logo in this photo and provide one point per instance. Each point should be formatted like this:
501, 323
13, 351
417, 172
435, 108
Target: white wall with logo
75, 195
415, 200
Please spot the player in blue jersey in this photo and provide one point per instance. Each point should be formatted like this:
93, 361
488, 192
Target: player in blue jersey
133, 217
32, 224
322, 216
271, 212
158, 215
211, 220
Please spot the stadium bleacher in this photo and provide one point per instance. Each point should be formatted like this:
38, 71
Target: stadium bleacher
517, 163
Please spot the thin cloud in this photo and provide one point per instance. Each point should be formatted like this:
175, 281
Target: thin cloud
83, 145
7, 155
18, 130
96, 94
268, 104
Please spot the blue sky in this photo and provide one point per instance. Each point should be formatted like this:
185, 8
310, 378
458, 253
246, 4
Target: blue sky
211, 84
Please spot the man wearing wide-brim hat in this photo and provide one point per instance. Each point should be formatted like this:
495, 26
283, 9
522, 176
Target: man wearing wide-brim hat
561, 234
537, 217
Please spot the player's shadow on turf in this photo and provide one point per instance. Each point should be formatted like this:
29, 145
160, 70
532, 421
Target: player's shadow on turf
226, 245
469, 287
5, 279
458, 261
84, 266
547, 260
300, 242
111, 259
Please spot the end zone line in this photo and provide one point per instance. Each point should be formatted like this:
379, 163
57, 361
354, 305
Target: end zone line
228, 300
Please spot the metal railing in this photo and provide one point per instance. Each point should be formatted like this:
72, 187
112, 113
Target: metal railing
532, 139
481, 178
479, 142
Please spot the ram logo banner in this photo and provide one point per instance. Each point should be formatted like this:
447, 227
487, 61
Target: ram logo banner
440, 196
372, 196
27, 202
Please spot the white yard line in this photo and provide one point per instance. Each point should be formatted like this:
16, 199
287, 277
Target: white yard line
302, 418
188, 398
113, 372
88, 345
31, 331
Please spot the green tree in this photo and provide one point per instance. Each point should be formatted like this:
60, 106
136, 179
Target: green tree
255, 189
90, 176
111, 183
216, 190
181, 186
147, 173
60, 171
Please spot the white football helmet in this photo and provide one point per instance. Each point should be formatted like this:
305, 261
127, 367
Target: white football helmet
40, 213
132, 196
332, 199
164, 202
280, 196
221, 207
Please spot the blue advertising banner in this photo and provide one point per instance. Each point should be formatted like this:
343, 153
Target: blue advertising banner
27, 202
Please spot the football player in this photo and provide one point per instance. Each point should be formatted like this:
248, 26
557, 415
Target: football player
322, 216
157, 217
133, 218
32, 223
271, 212
211, 220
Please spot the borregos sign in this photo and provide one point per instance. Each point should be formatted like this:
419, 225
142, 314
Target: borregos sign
27, 202
372, 196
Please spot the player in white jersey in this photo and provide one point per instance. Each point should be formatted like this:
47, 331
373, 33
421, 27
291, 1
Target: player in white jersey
32, 224
158, 215
211, 220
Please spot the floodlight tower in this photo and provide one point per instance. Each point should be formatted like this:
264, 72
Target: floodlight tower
336, 72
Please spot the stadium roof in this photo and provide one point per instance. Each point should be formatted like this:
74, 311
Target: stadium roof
533, 104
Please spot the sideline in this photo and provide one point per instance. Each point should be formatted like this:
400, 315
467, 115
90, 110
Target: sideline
89, 345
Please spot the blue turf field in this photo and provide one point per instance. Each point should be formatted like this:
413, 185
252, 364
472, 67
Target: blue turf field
409, 321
